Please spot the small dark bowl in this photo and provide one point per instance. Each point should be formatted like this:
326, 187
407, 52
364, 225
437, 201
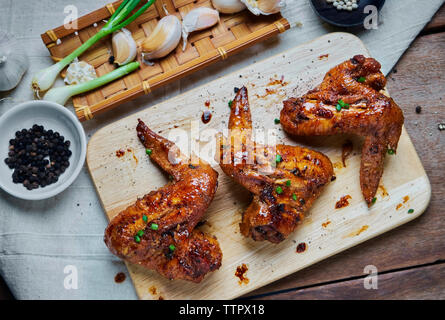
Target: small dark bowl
343, 18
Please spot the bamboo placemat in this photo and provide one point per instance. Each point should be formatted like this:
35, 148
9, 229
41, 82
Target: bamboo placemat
232, 34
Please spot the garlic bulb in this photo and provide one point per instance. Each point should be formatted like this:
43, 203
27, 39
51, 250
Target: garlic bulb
13, 62
163, 40
264, 7
124, 47
198, 19
79, 72
228, 6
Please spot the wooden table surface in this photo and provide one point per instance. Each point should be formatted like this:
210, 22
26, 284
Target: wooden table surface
410, 259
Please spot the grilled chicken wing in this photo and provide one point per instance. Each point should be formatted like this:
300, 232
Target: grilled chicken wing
284, 180
157, 232
355, 84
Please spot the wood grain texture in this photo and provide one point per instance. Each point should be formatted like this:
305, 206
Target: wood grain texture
426, 282
437, 24
417, 80
302, 68
230, 35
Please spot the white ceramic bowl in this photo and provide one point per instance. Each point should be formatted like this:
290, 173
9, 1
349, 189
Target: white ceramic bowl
52, 116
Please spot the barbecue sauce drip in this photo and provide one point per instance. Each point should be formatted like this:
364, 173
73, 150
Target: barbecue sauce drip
240, 273
206, 116
343, 202
301, 247
120, 277
346, 151
120, 153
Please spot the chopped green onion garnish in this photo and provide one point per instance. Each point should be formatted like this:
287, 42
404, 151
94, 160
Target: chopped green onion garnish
145, 218
374, 200
342, 104
230, 103
294, 196
140, 233
279, 190
277, 121
172, 247
154, 226
278, 158
361, 79
391, 151
410, 210
137, 239
338, 107
149, 152
288, 183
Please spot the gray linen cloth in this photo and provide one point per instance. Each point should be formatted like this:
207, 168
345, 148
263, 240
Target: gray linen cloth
41, 240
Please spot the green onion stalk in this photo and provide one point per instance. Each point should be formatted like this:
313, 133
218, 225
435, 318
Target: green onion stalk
45, 78
61, 95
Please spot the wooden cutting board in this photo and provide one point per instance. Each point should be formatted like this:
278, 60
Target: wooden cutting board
326, 230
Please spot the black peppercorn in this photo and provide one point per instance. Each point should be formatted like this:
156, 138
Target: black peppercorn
28, 155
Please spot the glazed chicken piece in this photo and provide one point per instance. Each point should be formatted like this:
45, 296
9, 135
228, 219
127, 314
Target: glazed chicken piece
284, 180
158, 231
356, 84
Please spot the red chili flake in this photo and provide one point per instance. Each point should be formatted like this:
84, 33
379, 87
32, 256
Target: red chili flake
323, 56
343, 202
120, 277
405, 199
240, 273
207, 103
346, 151
120, 153
302, 246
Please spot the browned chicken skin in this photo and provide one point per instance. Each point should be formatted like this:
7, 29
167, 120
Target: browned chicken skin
169, 243
284, 181
370, 114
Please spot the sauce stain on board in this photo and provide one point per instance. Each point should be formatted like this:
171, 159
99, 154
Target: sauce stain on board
343, 202
240, 273
383, 190
120, 153
301, 247
357, 232
405, 200
325, 224
153, 290
346, 151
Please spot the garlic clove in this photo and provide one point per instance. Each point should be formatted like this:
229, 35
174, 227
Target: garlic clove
13, 62
228, 6
79, 72
124, 47
198, 19
163, 40
264, 7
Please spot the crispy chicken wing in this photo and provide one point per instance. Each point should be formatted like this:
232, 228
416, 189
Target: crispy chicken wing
349, 101
284, 180
157, 232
